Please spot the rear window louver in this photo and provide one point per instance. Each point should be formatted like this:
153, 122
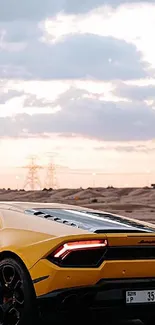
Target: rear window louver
85, 225
49, 216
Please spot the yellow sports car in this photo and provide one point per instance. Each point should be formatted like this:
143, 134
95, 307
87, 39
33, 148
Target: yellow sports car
67, 261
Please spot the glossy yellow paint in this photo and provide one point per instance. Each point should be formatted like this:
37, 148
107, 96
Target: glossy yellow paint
60, 278
33, 239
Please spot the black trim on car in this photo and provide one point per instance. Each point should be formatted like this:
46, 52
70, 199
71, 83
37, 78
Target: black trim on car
87, 259
40, 279
107, 297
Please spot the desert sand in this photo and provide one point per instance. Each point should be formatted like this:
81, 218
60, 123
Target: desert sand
136, 203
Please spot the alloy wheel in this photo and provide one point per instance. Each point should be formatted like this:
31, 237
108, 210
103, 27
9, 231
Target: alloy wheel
11, 295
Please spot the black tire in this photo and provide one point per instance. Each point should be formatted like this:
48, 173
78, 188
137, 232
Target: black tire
17, 296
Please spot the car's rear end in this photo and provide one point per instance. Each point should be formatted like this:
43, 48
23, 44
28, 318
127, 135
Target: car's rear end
109, 272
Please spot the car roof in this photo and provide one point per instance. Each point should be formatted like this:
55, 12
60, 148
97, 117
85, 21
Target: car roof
22, 206
60, 212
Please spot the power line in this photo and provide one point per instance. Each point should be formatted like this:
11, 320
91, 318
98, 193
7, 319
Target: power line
32, 179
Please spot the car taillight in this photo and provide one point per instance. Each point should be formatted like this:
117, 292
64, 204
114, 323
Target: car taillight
83, 253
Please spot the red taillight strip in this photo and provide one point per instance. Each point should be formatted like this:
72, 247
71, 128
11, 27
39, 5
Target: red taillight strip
66, 248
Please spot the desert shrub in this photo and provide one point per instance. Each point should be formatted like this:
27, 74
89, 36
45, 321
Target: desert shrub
94, 200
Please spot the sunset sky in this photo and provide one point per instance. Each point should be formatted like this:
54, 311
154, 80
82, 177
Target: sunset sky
77, 81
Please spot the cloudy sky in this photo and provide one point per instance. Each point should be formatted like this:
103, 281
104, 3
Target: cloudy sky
77, 79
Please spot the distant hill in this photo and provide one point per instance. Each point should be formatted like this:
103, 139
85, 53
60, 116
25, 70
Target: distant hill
134, 202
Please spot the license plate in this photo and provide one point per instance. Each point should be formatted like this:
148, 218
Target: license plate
140, 297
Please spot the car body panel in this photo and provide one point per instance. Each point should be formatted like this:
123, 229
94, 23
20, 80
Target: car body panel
67, 278
28, 236
34, 237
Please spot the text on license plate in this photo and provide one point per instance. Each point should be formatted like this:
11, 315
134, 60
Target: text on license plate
136, 297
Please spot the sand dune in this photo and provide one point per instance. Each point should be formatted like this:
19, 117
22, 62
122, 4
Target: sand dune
134, 202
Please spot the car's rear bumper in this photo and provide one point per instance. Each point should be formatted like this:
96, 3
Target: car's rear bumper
107, 297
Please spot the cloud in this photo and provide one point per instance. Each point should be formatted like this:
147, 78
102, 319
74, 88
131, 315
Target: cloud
71, 94
135, 92
19, 31
111, 121
9, 94
81, 6
34, 101
128, 148
38, 10
131, 148
28, 10
75, 57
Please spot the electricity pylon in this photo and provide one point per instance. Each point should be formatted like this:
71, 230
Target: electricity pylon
32, 179
51, 179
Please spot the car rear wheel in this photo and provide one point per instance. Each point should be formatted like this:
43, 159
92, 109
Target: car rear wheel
17, 296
